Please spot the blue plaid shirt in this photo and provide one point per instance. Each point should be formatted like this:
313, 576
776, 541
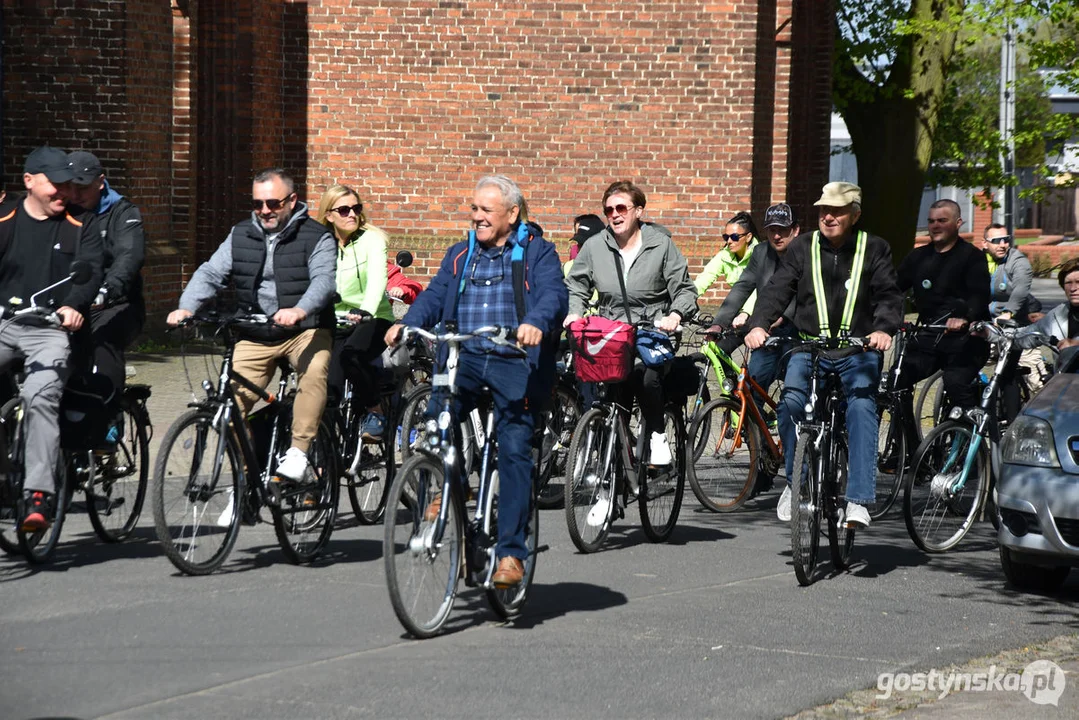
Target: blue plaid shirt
488, 297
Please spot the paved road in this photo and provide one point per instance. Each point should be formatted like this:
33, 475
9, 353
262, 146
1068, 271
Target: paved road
712, 624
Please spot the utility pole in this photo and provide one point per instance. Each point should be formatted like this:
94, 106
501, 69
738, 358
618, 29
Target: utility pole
1007, 122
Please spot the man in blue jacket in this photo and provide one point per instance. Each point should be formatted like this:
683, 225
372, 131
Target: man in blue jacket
506, 274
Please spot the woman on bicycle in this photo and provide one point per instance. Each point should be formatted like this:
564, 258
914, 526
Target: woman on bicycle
657, 289
361, 283
739, 237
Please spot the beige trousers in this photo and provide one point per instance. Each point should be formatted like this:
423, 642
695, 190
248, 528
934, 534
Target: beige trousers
309, 355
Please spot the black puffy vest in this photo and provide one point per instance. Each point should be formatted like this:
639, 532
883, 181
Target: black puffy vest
291, 252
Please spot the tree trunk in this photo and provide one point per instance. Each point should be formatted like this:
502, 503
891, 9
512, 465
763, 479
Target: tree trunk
892, 125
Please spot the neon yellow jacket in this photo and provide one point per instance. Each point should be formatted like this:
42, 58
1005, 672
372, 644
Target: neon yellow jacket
361, 274
730, 268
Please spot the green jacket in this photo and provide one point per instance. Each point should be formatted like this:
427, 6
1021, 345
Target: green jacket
726, 265
361, 274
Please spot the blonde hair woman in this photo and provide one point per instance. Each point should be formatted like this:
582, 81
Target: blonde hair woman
361, 283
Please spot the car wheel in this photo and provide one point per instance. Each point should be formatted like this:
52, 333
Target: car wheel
1023, 576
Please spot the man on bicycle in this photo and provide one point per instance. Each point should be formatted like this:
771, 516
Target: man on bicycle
39, 239
843, 283
508, 275
283, 264
118, 312
950, 282
780, 227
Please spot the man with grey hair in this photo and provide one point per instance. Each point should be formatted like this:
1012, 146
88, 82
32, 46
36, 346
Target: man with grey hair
283, 265
505, 274
842, 282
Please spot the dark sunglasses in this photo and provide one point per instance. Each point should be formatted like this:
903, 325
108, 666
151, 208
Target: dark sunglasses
346, 210
619, 208
272, 205
734, 237
1002, 240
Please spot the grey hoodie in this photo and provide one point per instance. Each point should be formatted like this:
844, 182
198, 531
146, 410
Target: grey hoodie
657, 284
212, 276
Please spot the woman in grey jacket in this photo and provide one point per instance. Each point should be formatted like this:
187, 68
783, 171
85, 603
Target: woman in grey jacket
658, 289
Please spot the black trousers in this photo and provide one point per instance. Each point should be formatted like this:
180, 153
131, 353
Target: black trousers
353, 351
960, 358
112, 330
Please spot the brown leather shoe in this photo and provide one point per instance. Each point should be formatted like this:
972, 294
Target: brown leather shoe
510, 573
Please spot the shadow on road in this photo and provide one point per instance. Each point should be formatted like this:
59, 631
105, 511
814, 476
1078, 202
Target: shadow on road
85, 549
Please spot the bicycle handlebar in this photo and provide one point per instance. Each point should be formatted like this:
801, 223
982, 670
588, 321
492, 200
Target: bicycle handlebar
225, 320
501, 336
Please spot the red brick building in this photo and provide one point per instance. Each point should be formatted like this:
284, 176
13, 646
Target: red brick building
711, 107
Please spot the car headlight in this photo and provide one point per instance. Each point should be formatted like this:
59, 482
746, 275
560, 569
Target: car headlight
1029, 441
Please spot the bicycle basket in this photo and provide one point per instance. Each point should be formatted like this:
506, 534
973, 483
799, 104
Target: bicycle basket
603, 349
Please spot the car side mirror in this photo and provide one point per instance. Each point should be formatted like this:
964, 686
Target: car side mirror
403, 259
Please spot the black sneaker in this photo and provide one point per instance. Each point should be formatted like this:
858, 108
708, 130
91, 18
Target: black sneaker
38, 516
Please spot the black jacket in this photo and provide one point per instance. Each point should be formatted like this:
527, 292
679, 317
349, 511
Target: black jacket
952, 284
124, 248
878, 306
763, 263
22, 264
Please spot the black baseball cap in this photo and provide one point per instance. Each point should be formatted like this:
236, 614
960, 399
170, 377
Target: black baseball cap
779, 215
587, 226
50, 161
85, 166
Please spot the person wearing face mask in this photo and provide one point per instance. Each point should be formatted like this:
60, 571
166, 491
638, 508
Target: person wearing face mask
361, 282
842, 280
282, 263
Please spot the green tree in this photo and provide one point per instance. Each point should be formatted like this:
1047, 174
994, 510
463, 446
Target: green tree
906, 71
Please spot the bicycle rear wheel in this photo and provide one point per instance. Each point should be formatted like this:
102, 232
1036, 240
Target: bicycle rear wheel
723, 476
115, 496
698, 439
891, 456
591, 488
422, 570
554, 448
929, 404
508, 603
938, 508
304, 513
805, 509
39, 546
840, 537
197, 493
662, 488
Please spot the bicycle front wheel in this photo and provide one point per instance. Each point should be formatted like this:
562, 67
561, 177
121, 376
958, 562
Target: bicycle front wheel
11, 510
422, 567
942, 494
661, 488
368, 479
929, 404
805, 509
724, 475
39, 546
197, 493
304, 513
891, 456
115, 497
591, 488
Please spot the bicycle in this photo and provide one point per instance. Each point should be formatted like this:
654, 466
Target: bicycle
949, 485
729, 453
821, 466
427, 552
201, 486
607, 471
556, 434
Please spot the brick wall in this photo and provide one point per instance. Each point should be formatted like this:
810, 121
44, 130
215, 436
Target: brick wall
96, 75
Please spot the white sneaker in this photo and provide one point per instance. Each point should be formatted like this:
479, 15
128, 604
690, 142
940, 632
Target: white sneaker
783, 509
659, 451
225, 518
598, 514
292, 465
857, 516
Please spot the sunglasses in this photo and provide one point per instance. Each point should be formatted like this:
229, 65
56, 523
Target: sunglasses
619, 208
734, 237
272, 205
1002, 240
493, 262
346, 210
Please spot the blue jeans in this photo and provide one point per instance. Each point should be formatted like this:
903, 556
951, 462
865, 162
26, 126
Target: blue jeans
768, 363
509, 381
860, 375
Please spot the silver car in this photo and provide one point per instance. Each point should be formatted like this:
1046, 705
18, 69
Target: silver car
1038, 489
